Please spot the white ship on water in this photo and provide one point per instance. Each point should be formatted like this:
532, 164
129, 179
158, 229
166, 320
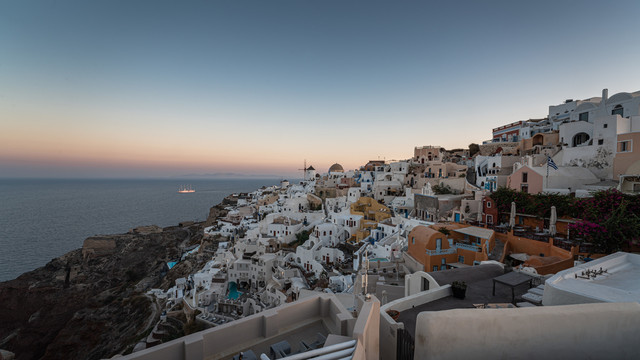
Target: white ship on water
185, 189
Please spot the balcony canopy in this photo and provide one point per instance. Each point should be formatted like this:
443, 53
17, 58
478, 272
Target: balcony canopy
475, 231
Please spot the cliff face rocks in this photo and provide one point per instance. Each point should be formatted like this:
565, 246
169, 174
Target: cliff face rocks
98, 246
90, 303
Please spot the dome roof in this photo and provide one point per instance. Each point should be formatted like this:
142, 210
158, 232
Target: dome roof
336, 168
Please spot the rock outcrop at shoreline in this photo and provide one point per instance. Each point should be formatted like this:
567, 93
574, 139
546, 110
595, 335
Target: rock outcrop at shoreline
90, 303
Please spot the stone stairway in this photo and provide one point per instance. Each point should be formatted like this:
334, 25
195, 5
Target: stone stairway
496, 253
533, 297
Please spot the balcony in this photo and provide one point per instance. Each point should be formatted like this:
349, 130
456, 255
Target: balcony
471, 247
441, 251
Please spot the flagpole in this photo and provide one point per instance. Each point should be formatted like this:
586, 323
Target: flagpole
547, 171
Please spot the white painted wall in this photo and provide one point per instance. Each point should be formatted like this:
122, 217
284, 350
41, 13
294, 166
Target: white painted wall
587, 331
413, 283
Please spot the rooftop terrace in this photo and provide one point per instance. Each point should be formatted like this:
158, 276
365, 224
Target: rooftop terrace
479, 280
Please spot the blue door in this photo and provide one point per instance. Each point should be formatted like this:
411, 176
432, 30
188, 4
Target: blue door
457, 217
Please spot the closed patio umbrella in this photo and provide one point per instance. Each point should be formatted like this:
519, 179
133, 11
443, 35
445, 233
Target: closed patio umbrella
512, 216
552, 221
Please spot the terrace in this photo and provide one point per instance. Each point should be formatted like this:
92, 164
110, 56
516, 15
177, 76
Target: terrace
479, 280
310, 327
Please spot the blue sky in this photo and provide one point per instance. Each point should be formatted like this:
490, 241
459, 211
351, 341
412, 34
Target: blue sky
161, 88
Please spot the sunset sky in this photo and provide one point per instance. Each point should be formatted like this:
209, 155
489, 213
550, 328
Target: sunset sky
166, 88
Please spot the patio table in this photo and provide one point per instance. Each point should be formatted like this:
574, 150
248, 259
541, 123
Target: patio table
512, 280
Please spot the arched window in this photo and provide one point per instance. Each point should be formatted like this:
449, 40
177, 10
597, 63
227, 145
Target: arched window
618, 110
579, 139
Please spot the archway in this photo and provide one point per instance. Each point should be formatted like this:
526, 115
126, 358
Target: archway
580, 139
538, 139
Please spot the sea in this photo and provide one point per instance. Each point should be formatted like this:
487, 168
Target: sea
41, 219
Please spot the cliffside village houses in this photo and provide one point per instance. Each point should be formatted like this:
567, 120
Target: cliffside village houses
380, 244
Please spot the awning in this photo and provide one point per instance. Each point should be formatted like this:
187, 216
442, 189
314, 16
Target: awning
475, 231
520, 256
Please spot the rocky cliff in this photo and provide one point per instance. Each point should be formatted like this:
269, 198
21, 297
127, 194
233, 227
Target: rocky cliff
90, 303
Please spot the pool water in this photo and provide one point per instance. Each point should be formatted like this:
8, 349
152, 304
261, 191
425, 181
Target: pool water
233, 291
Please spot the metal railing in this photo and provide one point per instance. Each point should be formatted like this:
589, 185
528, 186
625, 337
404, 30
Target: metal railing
471, 247
442, 251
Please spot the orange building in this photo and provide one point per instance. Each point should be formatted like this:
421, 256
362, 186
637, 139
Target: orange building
462, 245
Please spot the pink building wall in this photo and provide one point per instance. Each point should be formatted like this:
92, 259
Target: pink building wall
534, 181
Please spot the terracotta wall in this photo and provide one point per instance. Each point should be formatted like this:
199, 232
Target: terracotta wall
515, 244
555, 267
492, 210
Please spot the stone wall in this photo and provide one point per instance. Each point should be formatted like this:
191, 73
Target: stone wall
98, 246
509, 148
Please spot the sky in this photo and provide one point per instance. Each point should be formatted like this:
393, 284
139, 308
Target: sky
168, 88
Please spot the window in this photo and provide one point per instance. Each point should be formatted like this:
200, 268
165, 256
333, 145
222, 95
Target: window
489, 204
600, 141
443, 261
524, 188
413, 240
625, 146
583, 116
461, 259
618, 110
525, 177
489, 219
435, 267
605, 126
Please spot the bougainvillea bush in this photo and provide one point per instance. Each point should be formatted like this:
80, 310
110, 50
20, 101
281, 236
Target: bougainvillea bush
609, 219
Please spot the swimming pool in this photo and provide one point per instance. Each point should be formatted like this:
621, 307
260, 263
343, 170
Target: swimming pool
233, 291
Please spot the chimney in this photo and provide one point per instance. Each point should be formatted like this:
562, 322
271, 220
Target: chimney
605, 95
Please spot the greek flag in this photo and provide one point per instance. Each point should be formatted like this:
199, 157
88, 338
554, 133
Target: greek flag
551, 163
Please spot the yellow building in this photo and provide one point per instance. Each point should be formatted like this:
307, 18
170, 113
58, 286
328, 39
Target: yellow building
372, 212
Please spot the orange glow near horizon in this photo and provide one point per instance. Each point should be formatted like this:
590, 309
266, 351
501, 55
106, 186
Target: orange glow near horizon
66, 142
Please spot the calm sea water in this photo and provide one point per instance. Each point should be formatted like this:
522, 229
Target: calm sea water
43, 219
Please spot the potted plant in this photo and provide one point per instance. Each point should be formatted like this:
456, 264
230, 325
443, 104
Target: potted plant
459, 289
394, 314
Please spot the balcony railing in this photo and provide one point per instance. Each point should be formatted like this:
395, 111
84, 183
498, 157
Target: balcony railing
441, 251
471, 247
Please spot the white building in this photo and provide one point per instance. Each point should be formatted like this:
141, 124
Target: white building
613, 278
492, 171
591, 144
284, 229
